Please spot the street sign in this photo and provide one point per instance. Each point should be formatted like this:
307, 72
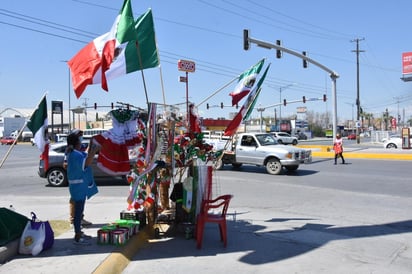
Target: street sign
185, 65
57, 107
183, 79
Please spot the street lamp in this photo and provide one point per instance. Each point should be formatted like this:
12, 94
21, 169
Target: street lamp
261, 110
280, 100
70, 121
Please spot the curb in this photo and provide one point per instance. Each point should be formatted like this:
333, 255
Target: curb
325, 151
118, 260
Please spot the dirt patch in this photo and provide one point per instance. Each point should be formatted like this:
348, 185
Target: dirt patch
59, 226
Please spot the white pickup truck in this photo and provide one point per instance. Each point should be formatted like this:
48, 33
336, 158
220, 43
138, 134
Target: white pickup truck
262, 149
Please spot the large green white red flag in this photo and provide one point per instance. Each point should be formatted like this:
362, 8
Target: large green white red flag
247, 107
38, 124
89, 65
136, 55
245, 82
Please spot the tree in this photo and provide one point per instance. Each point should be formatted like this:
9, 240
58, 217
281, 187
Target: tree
368, 117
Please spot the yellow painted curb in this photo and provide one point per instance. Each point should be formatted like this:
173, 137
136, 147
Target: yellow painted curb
322, 148
324, 151
359, 155
118, 260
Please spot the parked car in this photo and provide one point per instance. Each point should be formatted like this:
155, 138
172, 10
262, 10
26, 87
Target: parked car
301, 136
285, 138
390, 136
394, 142
56, 175
352, 136
7, 140
364, 134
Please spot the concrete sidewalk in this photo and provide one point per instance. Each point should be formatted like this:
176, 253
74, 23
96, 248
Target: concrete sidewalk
257, 243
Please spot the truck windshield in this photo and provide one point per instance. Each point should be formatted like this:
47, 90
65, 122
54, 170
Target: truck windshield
266, 139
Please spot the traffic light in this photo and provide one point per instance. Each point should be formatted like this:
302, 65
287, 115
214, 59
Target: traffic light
304, 99
278, 51
95, 105
324, 97
284, 102
112, 105
221, 105
305, 63
207, 106
246, 44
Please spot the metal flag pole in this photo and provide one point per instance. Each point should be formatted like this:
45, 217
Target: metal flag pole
217, 91
141, 70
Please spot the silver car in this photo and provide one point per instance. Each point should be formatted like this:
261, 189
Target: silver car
56, 174
285, 138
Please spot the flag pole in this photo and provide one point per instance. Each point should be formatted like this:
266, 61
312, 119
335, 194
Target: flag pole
20, 132
217, 91
141, 69
160, 70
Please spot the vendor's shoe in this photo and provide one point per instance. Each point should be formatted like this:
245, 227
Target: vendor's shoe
86, 223
81, 241
85, 236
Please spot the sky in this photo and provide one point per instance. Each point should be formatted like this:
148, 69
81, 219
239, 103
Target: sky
40, 36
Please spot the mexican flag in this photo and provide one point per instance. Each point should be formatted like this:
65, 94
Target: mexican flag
89, 65
245, 82
136, 55
38, 124
247, 107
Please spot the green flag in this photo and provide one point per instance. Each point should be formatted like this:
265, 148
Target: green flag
254, 95
247, 107
38, 124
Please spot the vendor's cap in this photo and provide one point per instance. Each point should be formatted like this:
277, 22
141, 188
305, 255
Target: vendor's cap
77, 132
72, 139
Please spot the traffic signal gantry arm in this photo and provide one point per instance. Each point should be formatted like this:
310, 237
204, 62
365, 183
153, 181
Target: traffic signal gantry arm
247, 40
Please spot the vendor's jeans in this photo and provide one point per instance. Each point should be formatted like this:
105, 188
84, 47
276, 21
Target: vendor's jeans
78, 215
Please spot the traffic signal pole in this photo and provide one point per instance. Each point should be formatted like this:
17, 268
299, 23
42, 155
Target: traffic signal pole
247, 40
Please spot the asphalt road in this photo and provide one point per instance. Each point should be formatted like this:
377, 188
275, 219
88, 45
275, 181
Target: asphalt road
322, 218
18, 176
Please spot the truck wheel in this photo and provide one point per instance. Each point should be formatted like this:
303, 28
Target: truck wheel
291, 168
273, 166
218, 164
236, 165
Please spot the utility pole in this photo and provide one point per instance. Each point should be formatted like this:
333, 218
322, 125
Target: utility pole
85, 110
357, 51
398, 116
